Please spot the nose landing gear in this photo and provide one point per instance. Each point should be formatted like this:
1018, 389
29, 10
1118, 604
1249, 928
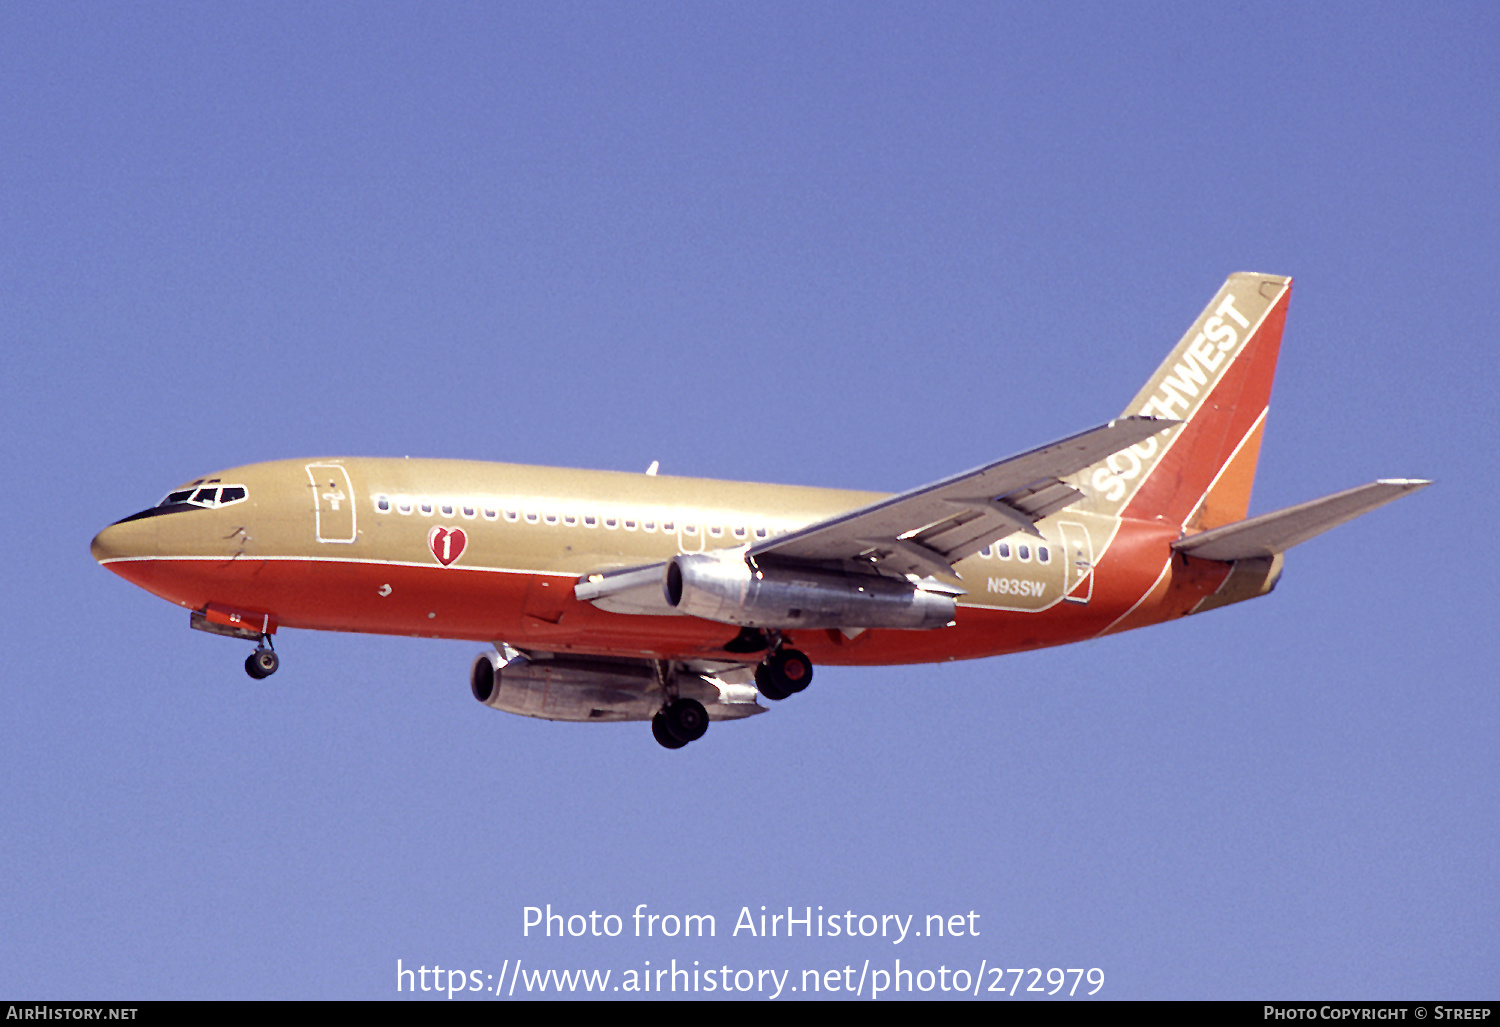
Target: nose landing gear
231, 623
263, 662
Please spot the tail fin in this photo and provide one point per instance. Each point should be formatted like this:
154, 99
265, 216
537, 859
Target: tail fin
1217, 381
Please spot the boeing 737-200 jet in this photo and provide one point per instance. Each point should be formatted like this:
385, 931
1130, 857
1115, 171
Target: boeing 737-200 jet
612, 596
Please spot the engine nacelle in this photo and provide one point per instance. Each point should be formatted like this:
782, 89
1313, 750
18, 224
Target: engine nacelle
595, 689
728, 590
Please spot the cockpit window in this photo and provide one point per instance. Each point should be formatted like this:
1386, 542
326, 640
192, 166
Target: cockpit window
208, 498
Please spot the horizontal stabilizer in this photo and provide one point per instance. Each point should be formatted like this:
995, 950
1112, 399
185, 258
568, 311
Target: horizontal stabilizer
1277, 532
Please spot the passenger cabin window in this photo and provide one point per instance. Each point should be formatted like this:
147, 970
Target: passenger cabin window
469, 512
512, 515
403, 505
1023, 552
425, 507
531, 518
383, 504
668, 526
446, 509
1043, 554
571, 520
1004, 550
491, 514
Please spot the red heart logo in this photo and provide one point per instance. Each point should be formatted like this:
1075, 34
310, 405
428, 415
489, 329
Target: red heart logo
447, 544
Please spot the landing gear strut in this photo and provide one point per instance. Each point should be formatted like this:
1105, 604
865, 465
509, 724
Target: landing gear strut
263, 662
681, 720
785, 672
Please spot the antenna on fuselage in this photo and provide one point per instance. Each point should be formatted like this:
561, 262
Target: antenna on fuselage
655, 466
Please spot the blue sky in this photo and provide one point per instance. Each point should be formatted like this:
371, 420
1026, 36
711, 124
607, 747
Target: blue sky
859, 245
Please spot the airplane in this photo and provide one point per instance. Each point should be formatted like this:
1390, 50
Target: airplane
612, 596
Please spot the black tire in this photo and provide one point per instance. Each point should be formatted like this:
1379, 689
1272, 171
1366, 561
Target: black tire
794, 671
785, 672
686, 719
262, 664
765, 680
659, 729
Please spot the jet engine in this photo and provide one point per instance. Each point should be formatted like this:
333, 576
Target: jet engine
598, 690
731, 591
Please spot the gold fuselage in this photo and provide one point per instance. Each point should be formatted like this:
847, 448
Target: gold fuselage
488, 551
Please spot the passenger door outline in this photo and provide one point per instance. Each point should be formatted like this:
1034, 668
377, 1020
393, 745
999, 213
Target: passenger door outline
1078, 562
333, 503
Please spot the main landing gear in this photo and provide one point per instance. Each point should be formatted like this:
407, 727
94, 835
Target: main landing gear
785, 672
680, 722
263, 662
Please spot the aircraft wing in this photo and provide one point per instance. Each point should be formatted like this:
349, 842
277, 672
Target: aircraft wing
927, 530
924, 531
1277, 532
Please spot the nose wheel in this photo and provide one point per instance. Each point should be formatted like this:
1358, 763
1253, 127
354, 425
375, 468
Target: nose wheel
263, 662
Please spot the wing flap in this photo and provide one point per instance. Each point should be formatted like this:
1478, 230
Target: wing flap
1277, 532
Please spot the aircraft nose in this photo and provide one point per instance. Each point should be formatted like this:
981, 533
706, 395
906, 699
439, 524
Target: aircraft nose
120, 541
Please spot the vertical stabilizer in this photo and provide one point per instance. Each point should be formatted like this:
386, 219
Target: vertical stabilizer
1217, 381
